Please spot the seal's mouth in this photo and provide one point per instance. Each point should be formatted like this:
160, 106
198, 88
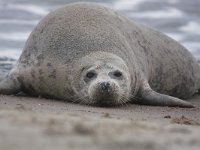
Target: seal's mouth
105, 100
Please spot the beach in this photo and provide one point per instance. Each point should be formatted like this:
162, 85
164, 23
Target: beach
37, 123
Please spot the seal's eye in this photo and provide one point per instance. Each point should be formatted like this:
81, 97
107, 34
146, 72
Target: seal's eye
91, 74
117, 74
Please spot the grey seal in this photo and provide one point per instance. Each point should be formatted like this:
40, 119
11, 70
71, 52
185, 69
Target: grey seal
90, 54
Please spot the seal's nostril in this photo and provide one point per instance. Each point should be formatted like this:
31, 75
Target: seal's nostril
105, 86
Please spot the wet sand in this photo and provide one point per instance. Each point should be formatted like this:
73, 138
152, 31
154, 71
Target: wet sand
37, 123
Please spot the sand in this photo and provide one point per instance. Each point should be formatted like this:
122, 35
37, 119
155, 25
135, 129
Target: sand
37, 123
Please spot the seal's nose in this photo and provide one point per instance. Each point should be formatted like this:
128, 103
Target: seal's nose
105, 87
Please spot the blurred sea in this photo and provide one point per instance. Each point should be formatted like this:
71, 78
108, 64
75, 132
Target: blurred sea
179, 19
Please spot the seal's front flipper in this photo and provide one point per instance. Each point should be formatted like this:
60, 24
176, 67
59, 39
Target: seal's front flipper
149, 97
10, 85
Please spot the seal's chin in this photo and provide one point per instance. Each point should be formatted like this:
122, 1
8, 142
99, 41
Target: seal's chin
105, 104
108, 101
104, 99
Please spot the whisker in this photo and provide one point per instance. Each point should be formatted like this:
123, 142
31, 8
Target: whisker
80, 99
123, 100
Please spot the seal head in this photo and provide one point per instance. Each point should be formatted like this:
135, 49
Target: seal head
102, 80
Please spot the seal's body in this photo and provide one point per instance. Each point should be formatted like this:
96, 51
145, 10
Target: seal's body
90, 54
